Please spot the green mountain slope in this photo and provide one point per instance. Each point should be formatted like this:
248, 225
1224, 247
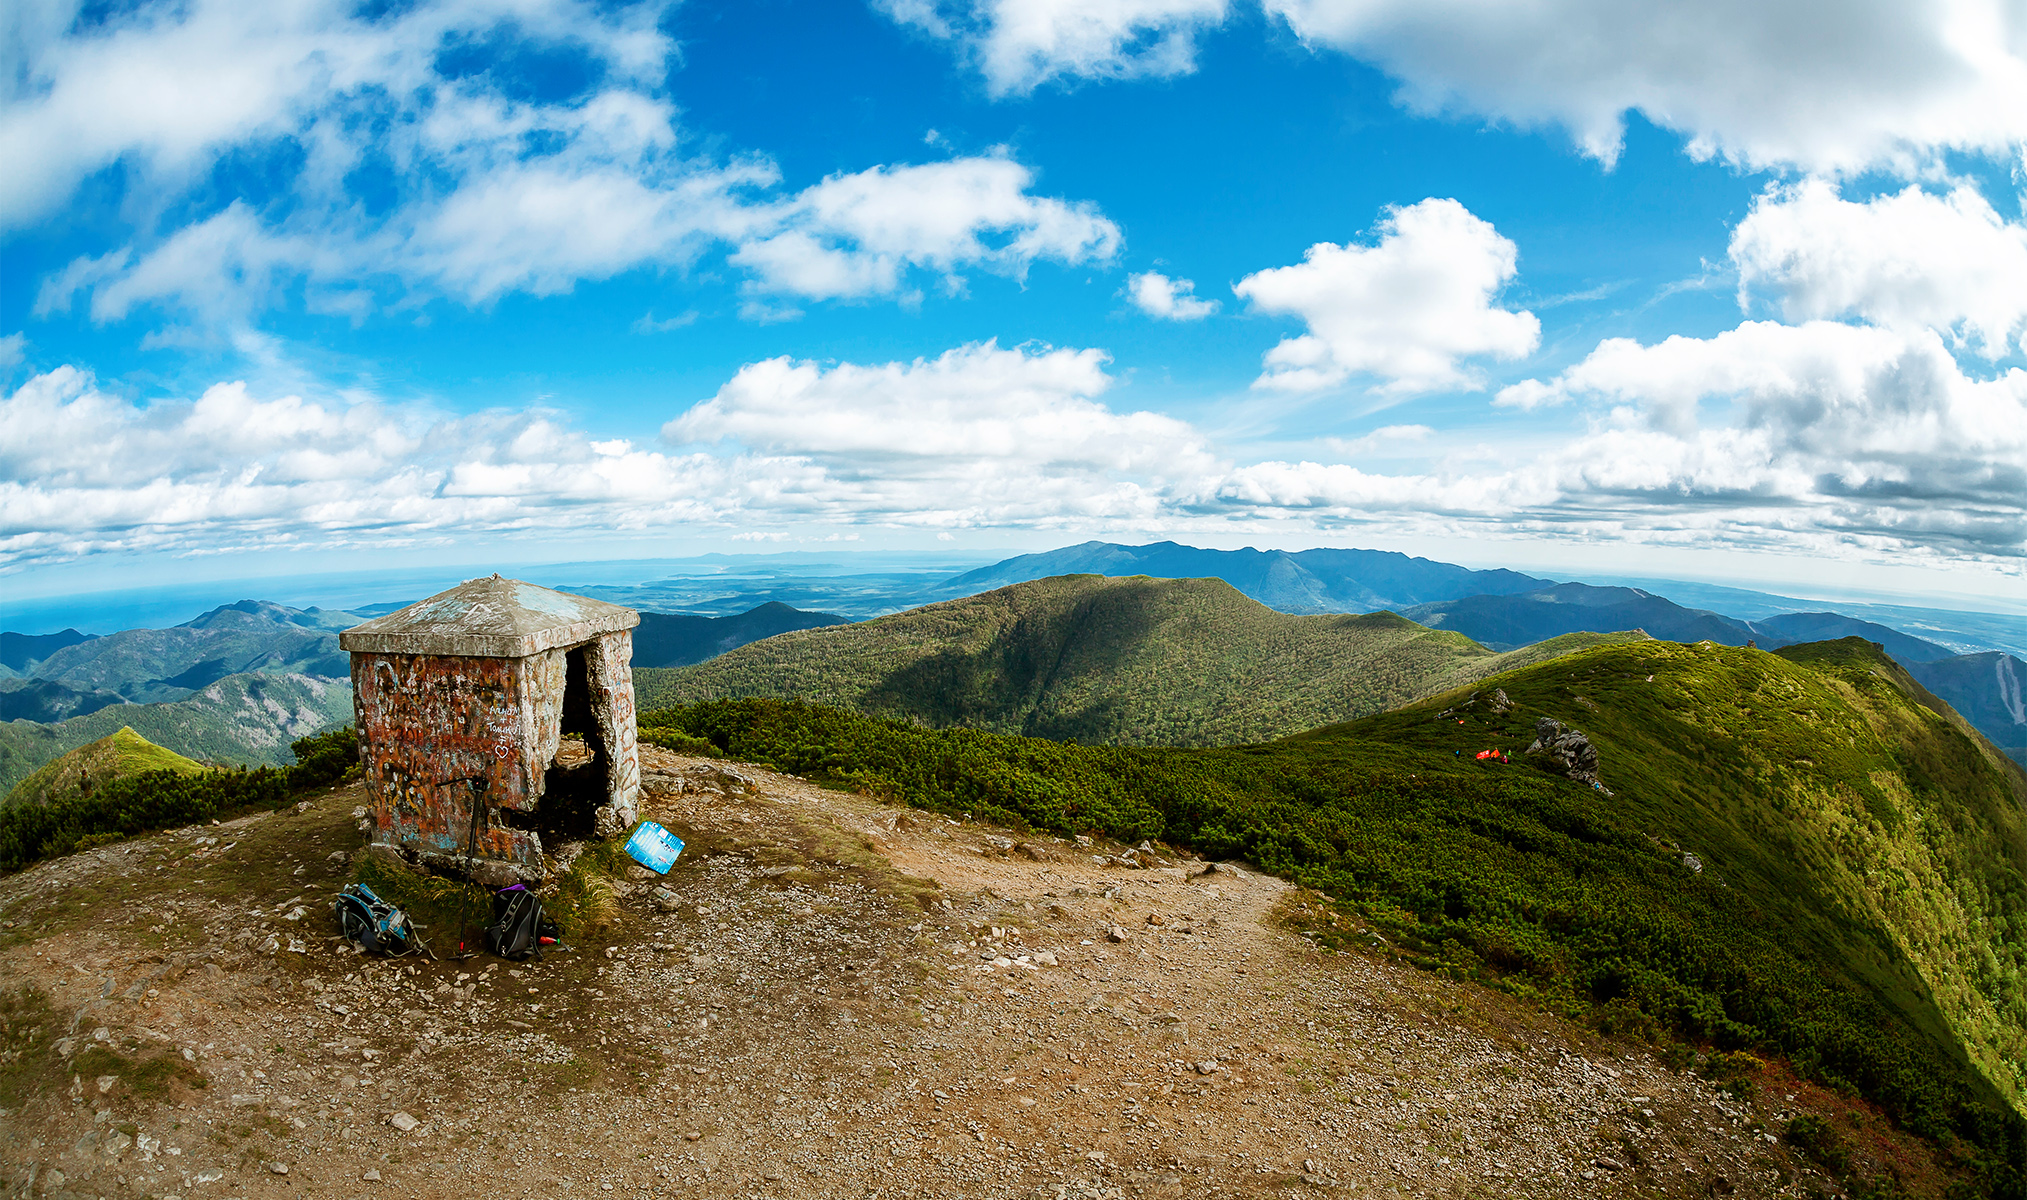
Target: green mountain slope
116, 756
1088, 658
247, 719
1797, 853
667, 640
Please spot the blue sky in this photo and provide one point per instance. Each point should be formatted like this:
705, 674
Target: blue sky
1713, 292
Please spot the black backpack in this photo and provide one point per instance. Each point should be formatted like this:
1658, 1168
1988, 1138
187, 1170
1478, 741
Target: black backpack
519, 929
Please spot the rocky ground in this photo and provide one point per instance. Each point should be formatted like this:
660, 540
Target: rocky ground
826, 997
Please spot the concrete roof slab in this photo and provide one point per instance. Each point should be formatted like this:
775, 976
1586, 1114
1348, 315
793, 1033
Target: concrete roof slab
489, 618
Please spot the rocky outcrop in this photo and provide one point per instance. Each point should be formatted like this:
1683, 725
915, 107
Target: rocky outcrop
1567, 750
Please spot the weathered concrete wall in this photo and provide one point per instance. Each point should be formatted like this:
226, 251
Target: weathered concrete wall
426, 723
608, 662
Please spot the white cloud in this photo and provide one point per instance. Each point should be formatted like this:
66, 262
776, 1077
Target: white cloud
1387, 439
482, 191
1168, 299
1907, 260
1021, 44
166, 88
853, 236
977, 436
83, 471
1406, 310
977, 429
1823, 439
648, 324
1758, 82
13, 349
1837, 428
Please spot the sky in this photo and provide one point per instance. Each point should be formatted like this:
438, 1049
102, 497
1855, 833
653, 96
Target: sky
1720, 290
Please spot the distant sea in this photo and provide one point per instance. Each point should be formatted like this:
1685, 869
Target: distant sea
158, 606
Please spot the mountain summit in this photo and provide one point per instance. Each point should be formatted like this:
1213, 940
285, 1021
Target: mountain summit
1092, 659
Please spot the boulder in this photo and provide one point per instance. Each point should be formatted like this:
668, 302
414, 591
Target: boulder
1567, 750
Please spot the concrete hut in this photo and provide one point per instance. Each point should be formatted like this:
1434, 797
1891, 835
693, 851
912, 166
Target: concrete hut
482, 684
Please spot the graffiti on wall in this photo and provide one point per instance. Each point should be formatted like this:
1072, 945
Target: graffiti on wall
435, 728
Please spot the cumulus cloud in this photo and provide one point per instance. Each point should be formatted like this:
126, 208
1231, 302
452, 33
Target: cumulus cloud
1406, 311
85, 471
1021, 44
167, 88
1825, 439
1847, 429
1761, 83
977, 436
1911, 259
402, 169
1168, 299
853, 236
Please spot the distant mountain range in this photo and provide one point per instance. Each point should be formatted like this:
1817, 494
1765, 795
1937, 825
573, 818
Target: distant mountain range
240, 682
1506, 621
64, 676
1305, 581
1988, 690
1134, 661
21, 651
147, 665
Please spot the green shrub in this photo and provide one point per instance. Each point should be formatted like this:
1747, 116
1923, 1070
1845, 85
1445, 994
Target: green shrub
1817, 1140
679, 742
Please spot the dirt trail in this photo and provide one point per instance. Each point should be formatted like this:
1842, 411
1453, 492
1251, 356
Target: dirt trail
827, 997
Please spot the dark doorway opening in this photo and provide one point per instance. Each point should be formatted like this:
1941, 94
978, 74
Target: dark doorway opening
574, 786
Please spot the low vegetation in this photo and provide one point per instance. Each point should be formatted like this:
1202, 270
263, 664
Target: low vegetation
1792, 853
164, 799
92, 766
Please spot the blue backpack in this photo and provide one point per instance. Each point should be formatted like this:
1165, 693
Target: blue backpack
372, 924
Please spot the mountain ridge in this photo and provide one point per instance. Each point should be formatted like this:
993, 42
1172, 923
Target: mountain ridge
1302, 582
117, 755
1091, 658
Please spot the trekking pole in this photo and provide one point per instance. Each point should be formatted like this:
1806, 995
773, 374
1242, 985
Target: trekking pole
478, 784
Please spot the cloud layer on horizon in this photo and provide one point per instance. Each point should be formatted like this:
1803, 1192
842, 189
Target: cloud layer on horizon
1823, 438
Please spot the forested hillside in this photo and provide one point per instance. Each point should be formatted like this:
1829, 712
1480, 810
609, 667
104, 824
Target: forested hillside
1132, 661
